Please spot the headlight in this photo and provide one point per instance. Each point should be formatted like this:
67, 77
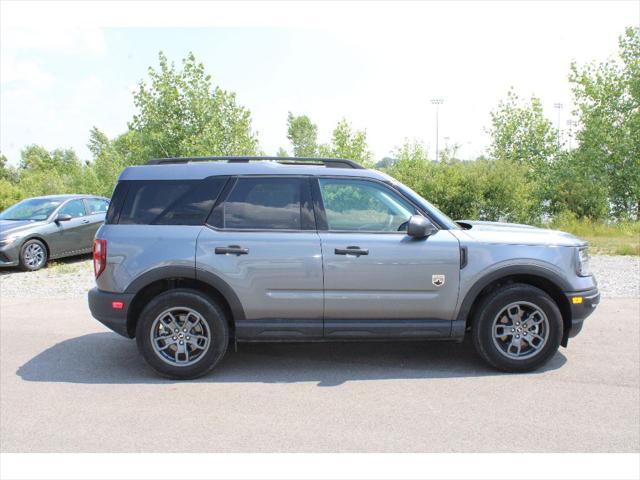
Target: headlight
583, 262
8, 240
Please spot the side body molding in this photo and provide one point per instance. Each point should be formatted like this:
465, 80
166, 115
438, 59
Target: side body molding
460, 321
178, 271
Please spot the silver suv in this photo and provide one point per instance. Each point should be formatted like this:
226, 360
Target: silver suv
198, 252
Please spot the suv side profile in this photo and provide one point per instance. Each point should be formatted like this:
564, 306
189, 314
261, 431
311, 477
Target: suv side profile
198, 252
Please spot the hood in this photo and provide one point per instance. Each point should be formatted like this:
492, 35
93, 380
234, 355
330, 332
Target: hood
10, 227
517, 234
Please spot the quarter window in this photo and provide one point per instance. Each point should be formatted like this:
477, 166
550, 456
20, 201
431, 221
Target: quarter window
360, 205
265, 203
167, 202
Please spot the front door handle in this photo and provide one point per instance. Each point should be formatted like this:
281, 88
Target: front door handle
232, 249
357, 251
85, 221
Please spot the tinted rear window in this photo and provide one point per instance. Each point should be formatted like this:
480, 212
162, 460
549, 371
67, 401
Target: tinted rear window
166, 202
265, 203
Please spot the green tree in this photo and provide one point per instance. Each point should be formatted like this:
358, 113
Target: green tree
180, 113
303, 136
608, 99
481, 189
349, 144
282, 153
522, 134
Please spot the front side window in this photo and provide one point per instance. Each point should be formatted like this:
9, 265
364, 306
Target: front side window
265, 203
360, 205
167, 202
75, 208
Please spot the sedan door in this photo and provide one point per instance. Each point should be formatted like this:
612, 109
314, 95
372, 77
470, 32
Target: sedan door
262, 243
70, 237
96, 211
378, 281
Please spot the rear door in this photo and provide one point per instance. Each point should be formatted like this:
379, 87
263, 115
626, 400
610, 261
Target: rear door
96, 211
261, 241
378, 281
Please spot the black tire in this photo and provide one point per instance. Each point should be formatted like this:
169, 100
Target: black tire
494, 305
209, 312
28, 260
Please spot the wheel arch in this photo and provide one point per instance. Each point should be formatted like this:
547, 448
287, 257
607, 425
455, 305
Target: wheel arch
164, 279
41, 239
544, 279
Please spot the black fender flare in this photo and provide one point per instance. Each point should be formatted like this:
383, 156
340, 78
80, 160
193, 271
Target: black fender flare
184, 271
547, 274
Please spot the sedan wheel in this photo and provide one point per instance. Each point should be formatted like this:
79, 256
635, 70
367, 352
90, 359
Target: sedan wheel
33, 255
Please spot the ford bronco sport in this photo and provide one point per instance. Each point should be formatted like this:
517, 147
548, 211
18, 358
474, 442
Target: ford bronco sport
198, 252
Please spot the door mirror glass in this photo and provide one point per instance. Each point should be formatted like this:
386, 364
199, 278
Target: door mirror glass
63, 217
420, 227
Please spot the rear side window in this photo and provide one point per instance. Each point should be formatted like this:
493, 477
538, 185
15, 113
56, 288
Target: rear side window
167, 202
97, 205
266, 203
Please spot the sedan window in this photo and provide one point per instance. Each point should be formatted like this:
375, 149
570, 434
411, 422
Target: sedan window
75, 208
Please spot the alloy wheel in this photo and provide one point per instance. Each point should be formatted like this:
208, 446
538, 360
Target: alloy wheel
34, 255
180, 336
520, 330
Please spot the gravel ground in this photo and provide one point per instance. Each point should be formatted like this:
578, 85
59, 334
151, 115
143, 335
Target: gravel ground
618, 277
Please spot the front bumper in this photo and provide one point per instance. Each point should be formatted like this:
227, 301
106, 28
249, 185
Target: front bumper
10, 255
582, 305
101, 306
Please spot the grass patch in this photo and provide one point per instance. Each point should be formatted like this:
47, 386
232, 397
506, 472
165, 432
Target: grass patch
621, 238
69, 265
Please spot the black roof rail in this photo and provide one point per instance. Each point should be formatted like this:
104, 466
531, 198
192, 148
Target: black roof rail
327, 162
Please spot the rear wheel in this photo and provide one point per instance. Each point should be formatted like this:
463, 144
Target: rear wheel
182, 334
518, 328
33, 255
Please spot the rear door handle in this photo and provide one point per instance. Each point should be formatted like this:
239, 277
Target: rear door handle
231, 249
357, 251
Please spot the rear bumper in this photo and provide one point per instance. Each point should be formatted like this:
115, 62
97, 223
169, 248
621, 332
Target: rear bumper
582, 305
100, 304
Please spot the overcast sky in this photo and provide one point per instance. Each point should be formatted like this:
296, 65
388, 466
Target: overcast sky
376, 64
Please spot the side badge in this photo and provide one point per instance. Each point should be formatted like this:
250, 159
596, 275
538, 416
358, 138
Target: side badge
437, 280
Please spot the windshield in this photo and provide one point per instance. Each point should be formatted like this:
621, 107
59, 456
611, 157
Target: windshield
433, 210
32, 209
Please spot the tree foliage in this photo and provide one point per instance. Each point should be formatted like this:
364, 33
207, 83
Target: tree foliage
348, 143
608, 100
180, 114
303, 136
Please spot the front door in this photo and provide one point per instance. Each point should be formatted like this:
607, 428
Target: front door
72, 235
262, 243
378, 281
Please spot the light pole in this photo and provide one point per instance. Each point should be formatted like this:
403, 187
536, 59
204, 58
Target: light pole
571, 123
559, 107
437, 102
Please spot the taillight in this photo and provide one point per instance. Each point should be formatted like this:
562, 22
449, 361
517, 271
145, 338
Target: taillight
99, 256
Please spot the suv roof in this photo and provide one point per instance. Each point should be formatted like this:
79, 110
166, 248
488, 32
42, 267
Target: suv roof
202, 167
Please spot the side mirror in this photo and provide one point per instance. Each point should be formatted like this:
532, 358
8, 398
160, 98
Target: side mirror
63, 217
420, 227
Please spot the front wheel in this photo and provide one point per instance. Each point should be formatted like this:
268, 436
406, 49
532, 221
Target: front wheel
518, 328
182, 334
33, 255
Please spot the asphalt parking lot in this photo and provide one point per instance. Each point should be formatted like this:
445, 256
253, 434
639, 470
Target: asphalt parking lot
69, 385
